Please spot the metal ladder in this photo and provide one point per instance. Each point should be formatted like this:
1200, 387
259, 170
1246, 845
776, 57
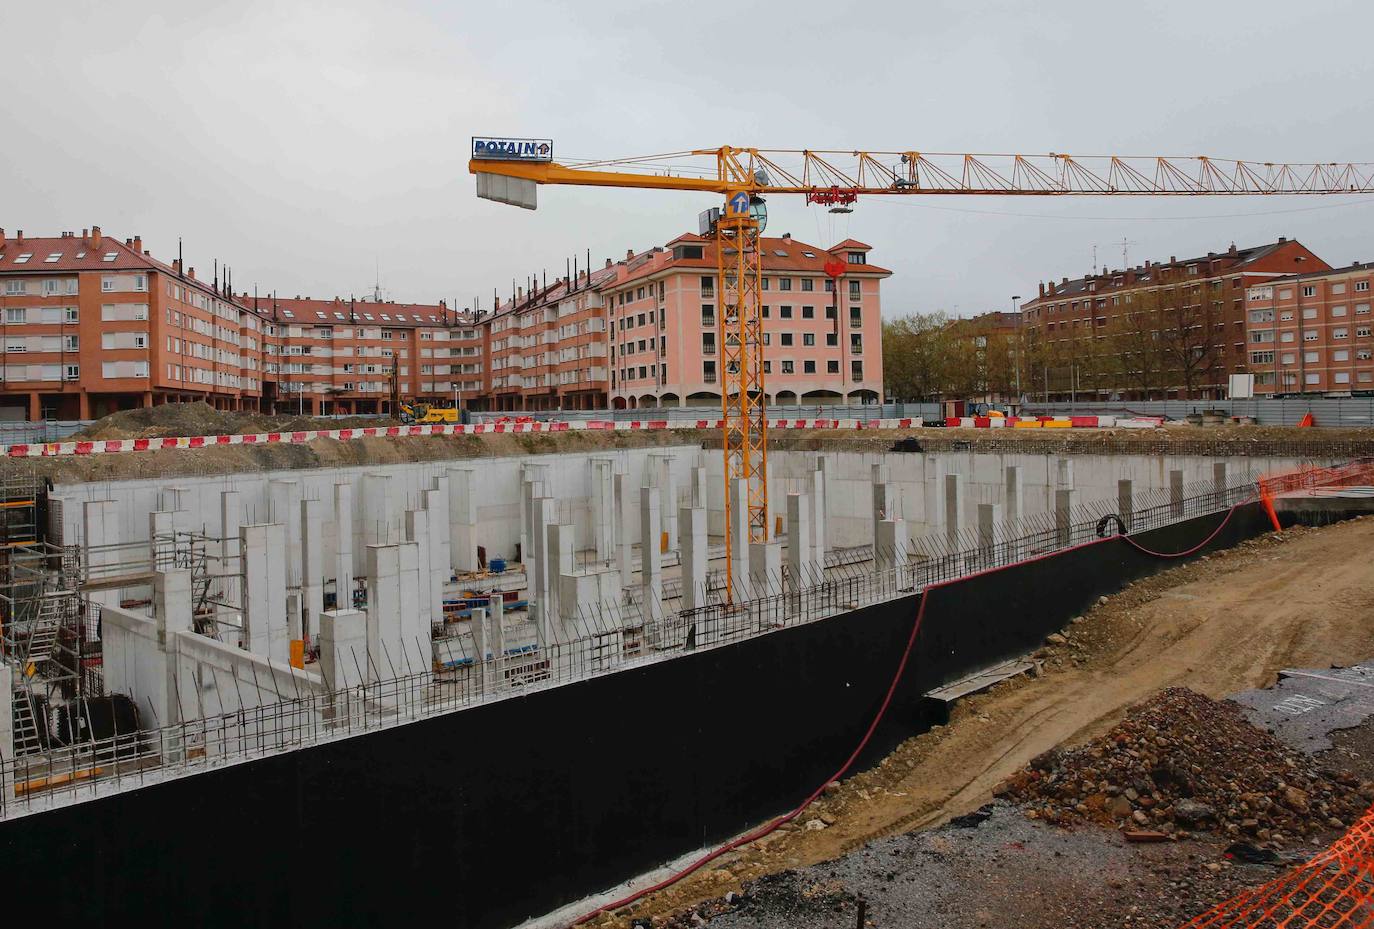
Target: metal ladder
43, 633
26, 738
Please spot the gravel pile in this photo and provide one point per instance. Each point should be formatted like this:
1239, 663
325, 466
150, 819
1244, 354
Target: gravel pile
1182, 763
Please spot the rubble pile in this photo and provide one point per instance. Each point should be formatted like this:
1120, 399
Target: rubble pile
1182, 763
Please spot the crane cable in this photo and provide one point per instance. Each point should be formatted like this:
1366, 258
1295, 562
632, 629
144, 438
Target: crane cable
774, 824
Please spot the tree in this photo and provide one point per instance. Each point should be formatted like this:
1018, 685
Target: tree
916, 360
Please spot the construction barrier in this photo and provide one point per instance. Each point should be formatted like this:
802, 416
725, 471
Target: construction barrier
1333, 889
1052, 422
110, 446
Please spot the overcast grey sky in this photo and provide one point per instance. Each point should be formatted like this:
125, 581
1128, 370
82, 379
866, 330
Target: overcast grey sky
305, 143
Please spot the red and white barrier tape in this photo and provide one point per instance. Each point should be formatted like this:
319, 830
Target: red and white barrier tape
110, 446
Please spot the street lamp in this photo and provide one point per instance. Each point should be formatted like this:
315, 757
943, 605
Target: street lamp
1016, 346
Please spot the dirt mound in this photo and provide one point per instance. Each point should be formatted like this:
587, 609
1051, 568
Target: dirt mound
1181, 762
199, 418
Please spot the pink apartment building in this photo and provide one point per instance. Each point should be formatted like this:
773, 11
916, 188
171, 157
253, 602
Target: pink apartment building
823, 336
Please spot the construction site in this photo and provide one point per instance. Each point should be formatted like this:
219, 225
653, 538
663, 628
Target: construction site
561, 647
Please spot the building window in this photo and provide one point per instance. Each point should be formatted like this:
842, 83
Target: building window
1309, 312
708, 286
708, 343
107, 284
71, 343
1338, 310
788, 367
856, 343
856, 370
857, 258
641, 320
807, 285
784, 283
708, 314
1339, 333
1361, 286
808, 367
832, 339
856, 317
1260, 358
1309, 335
808, 312
767, 311
1342, 377
708, 372
832, 366
854, 290
14, 287
829, 285
71, 314
1309, 358
72, 372
830, 312
786, 340
1308, 290
1362, 332
1313, 379
766, 284
784, 312
808, 338
15, 314
1342, 355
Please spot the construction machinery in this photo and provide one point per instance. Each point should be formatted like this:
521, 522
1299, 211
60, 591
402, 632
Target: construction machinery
509, 171
418, 411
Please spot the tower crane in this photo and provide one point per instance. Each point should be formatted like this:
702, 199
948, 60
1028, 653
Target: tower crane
509, 171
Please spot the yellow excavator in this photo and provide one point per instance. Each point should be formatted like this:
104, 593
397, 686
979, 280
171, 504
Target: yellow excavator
417, 411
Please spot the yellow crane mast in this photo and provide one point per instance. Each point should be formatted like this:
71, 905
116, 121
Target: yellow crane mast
509, 170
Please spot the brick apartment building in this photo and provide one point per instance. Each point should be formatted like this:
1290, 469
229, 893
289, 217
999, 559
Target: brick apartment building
1311, 333
92, 325
336, 356
1073, 318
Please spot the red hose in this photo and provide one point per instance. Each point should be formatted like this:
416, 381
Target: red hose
772, 825
1203, 544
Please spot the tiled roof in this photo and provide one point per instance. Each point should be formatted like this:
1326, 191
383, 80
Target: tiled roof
308, 311
1348, 269
1238, 260
778, 255
850, 243
72, 253
555, 291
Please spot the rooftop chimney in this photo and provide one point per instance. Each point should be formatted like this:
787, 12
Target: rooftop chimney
1064, 283
85, 235
787, 237
629, 252
176, 265
1282, 238
2, 237
191, 273
608, 262
95, 237
1042, 288
1232, 249
138, 243
19, 236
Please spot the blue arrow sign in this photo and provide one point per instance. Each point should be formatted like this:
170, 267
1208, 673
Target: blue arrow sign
739, 203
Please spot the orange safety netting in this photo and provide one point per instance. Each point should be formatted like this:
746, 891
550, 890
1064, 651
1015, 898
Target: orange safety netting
1334, 890
1359, 472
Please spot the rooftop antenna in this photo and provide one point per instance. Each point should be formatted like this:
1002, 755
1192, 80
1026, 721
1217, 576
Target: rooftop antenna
377, 280
1125, 263
181, 262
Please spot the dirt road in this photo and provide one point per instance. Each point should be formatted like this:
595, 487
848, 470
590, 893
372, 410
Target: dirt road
1220, 625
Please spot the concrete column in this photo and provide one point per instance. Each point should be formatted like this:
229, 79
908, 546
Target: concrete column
530, 475
541, 515
890, 548
312, 567
1125, 502
667, 500
160, 523
699, 486
1219, 478
416, 651
1064, 502
739, 537
100, 530
172, 612
230, 519
6, 732
651, 557
264, 591
284, 508
384, 657
1064, 474
800, 565
1176, 493
343, 547
481, 643
1014, 498
620, 485
435, 503
765, 568
560, 547
692, 520
417, 532
603, 507
954, 509
885, 505
819, 545
991, 531
496, 617
381, 515
343, 648
462, 508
